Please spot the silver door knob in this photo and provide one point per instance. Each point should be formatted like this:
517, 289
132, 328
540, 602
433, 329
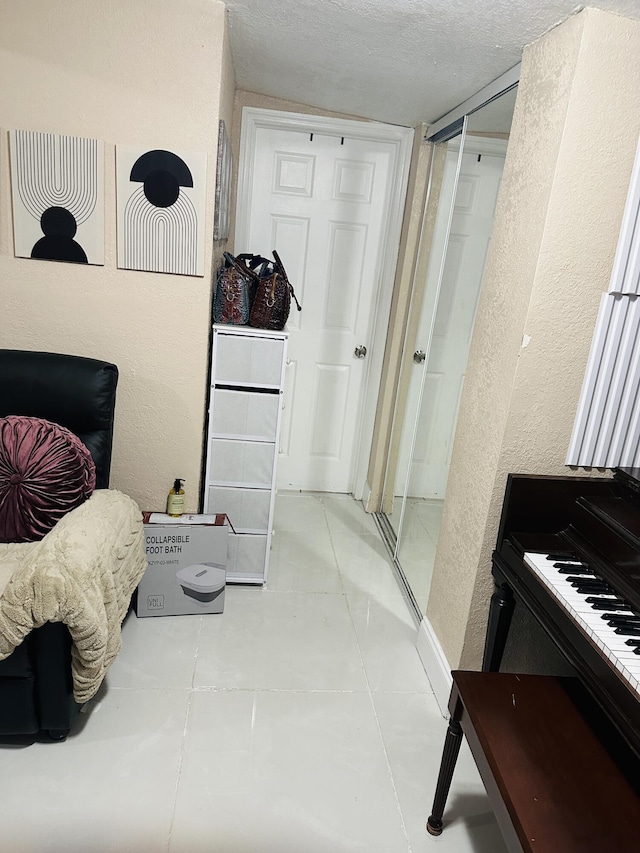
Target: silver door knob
360, 351
419, 356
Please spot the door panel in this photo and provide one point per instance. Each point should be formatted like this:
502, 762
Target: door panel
331, 386
475, 202
467, 244
346, 262
322, 201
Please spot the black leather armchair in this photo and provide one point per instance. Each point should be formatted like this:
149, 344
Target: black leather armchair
36, 690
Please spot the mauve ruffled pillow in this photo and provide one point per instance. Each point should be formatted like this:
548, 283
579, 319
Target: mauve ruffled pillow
45, 471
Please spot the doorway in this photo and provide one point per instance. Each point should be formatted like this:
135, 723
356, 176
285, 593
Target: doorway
470, 162
328, 195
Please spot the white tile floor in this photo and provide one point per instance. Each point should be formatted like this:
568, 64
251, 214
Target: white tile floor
298, 721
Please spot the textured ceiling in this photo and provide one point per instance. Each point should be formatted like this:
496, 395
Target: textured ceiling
398, 61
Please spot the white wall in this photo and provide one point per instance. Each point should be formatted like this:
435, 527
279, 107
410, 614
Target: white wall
137, 72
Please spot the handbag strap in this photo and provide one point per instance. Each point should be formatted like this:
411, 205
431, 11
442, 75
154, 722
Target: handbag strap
254, 261
243, 269
284, 275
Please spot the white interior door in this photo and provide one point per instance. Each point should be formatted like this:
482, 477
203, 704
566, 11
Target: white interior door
323, 201
466, 248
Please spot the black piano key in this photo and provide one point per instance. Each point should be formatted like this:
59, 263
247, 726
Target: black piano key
603, 599
608, 604
591, 592
628, 631
584, 580
637, 651
633, 641
631, 615
585, 589
573, 570
561, 557
621, 619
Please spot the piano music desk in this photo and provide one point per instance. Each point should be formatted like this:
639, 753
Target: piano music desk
552, 784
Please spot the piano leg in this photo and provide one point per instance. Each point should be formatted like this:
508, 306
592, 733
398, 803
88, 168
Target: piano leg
500, 613
452, 743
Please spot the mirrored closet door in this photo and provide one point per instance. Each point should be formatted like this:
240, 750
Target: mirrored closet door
465, 178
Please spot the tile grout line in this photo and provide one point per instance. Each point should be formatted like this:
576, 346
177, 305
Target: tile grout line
213, 689
183, 746
197, 652
380, 735
373, 706
335, 556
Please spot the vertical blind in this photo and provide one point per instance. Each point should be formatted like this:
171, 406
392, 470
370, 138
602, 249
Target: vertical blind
606, 431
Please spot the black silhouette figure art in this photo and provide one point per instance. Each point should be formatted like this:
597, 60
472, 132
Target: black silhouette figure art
59, 227
162, 173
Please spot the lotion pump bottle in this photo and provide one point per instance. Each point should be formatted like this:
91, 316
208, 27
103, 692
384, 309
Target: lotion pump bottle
175, 501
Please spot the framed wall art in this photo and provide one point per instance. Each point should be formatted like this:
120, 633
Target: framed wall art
161, 210
58, 197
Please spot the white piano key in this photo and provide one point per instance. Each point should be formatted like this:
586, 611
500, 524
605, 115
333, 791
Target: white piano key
604, 637
610, 645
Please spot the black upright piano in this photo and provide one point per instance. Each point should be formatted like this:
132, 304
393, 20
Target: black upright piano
568, 550
559, 755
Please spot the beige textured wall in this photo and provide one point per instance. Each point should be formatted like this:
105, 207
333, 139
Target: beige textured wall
568, 166
264, 102
145, 73
227, 105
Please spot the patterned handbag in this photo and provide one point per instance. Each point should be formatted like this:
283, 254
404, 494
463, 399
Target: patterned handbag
272, 301
235, 287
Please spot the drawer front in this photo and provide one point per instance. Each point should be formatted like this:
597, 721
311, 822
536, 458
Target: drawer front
247, 509
248, 361
247, 557
247, 414
242, 463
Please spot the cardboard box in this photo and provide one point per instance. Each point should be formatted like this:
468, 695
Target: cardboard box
187, 562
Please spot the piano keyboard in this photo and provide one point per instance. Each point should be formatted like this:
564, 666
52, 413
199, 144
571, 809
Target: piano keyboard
554, 572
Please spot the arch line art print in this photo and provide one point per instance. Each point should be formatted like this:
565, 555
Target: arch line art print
58, 197
161, 203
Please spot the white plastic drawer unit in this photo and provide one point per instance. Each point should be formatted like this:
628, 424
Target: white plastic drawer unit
248, 360
247, 509
242, 463
247, 376
247, 558
245, 414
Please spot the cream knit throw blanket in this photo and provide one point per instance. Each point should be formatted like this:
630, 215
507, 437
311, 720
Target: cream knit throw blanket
82, 573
